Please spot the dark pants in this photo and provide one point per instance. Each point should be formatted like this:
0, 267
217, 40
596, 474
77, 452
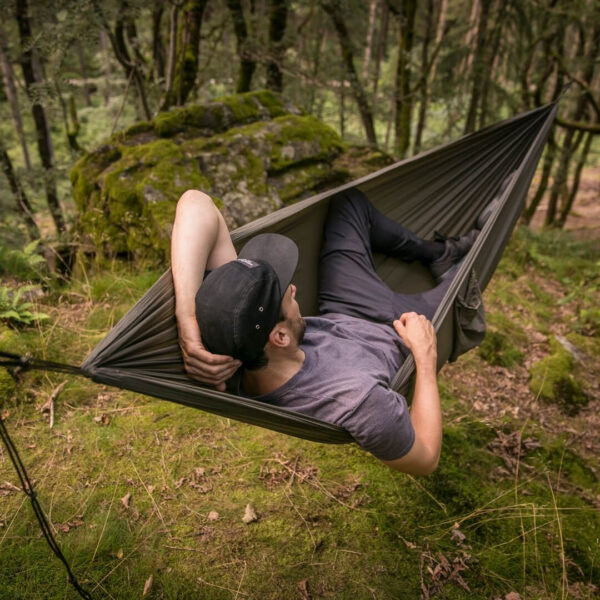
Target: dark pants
348, 283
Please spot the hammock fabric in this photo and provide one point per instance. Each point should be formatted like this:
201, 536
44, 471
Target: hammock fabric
443, 190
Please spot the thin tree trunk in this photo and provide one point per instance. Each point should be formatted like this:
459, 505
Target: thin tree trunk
247, 63
404, 101
478, 71
424, 78
320, 43
439, 36
570, 200
22, 204
172, 56
373, 5
13, 98
491, 60
107, 69
560, 189
86, 89
277, 26
333, 9
39, 116
381, 49
158, 49
117, 41
467, 63
549, 156
342, 106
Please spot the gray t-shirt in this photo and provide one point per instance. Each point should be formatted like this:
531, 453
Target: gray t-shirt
345, 380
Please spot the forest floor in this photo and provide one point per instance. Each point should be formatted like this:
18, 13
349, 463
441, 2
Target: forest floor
148, 498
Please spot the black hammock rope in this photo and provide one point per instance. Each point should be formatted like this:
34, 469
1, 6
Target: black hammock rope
25, 363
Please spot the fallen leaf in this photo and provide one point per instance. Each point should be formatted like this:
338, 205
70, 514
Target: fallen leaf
4, 415
512, 596
148, 585
102, 419
457, 535
125, 500
213, 515
120, 553
249, 515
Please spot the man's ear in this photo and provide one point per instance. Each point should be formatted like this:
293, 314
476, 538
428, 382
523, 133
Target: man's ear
280, 336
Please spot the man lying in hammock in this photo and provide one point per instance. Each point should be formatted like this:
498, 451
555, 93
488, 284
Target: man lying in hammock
336, 367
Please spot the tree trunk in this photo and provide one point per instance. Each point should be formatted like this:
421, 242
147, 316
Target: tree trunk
86, 89
13, 98
549, 156
247, 63
560, 187
277, 26
381, 50
44, 141
424, 78
172, 56
404, 100
22, 204
333, 9
320, 43
467, 63
439, 36
478, 72
565, 209
119, 46
492, 54
107, 69
373, 5
185, 68
158, 49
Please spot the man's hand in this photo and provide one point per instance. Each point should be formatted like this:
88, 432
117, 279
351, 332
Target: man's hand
418, 335
200, 364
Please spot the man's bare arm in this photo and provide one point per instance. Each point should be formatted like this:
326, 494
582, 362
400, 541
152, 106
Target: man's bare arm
200, 241
418, 334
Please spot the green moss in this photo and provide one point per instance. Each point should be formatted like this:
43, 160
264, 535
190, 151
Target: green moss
312, 140
225, 112
552, 378
497, 349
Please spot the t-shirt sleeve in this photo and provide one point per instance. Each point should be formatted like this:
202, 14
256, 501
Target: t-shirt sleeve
381, 424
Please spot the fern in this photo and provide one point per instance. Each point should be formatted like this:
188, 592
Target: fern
24, 264
15, 309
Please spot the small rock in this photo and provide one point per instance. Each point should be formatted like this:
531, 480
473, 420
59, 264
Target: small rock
213, 515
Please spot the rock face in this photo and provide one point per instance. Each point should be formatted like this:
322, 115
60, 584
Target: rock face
251, 152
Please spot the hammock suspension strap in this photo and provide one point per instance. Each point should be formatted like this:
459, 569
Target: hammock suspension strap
37, 509
26, 362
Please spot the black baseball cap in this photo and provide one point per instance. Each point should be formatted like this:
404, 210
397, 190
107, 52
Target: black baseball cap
238, 304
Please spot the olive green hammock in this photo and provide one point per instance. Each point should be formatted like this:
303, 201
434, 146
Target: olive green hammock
443, 189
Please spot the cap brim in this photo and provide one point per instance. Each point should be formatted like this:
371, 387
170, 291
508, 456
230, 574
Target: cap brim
277, 250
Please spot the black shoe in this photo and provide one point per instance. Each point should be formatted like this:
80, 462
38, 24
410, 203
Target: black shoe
455, 249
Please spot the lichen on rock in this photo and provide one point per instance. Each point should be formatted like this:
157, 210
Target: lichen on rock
253, 153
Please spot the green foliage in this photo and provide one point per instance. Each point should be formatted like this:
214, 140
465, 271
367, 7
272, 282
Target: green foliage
16, 309
24, 264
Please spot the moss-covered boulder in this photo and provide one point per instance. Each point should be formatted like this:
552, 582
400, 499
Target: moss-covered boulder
552, 378
253, 153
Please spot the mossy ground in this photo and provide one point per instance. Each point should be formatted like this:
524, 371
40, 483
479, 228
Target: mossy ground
518, 477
